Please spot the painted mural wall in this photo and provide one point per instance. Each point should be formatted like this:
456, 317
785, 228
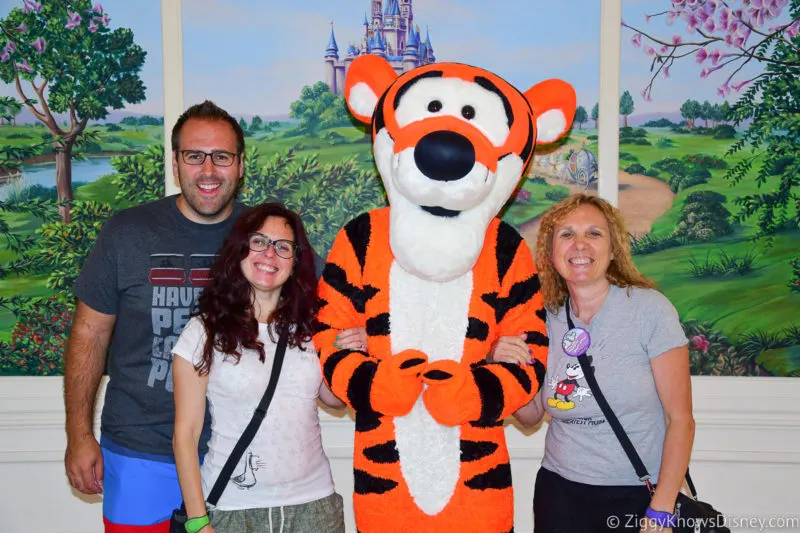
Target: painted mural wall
710, 110
81, 136
689, 178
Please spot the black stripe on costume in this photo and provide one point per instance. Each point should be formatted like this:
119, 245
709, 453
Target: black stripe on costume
477, 329
498, 477
378, 122
367, 421
537, 338
520, 292
508, 241
491, 390
332, 362
487, 84
383, 453
472, 450
366, 483
520, 375
414, 361
542, 314
358, 232
378, 325
527, 150
402, 90
482, 425
360, 386
336, 277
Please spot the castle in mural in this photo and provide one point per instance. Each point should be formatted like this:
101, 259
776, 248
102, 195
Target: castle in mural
390, 34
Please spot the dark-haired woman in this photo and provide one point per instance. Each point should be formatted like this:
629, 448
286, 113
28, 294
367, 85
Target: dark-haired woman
263, 285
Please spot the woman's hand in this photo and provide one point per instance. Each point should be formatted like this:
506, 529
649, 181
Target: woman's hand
352, 339
511, 349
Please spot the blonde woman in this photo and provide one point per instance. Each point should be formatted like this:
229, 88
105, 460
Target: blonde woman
640, 359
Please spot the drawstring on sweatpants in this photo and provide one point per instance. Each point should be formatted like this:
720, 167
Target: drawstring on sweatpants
270, 520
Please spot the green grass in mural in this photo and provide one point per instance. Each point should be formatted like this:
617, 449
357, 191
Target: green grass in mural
524, 210
755, 301
783, 361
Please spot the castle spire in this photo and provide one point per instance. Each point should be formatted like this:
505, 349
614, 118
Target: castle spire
412, 42
332, 50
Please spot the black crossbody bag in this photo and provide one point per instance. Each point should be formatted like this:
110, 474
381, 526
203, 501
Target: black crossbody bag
178, 520
692, 514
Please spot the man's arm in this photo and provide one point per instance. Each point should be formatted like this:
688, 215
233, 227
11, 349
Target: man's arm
84, 362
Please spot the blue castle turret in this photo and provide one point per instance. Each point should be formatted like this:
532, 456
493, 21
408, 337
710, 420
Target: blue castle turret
333, 78
389, 31
332, 50
411, 53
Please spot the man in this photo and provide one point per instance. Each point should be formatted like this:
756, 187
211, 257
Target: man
139, 285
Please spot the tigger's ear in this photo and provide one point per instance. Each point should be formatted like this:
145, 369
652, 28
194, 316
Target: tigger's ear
553, 103
367, 79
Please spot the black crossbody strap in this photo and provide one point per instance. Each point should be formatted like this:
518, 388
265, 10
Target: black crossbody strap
622, 437
252, 427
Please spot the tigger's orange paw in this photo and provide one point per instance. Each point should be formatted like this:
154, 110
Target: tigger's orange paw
397, 383
452, 398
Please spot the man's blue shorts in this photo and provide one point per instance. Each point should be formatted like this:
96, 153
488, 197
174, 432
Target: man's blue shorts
139, 491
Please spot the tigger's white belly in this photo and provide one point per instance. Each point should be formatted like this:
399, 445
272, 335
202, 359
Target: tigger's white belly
431, 317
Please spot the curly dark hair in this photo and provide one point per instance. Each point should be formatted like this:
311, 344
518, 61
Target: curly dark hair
226, 305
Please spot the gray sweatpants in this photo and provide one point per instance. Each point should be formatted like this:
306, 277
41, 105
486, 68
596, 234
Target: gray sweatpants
320, 516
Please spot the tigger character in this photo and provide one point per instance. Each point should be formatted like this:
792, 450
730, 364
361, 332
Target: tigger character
435, 278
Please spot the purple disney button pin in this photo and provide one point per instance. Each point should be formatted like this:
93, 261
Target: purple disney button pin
576, 341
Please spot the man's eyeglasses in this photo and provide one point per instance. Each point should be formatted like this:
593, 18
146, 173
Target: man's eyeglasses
220, 158
284, 248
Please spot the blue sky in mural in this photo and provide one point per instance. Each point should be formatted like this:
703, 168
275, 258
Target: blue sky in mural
144, 18
254, 56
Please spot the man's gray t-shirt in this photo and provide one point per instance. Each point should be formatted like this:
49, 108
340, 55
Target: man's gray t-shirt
148, 267
633, 326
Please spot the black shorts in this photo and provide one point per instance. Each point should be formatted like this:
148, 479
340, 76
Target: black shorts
563, 506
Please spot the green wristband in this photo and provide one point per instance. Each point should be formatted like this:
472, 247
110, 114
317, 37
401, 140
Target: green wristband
193, 525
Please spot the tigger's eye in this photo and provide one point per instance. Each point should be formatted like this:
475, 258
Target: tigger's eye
468, 112
434, 106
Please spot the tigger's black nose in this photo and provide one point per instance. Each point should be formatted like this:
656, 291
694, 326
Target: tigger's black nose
444, 156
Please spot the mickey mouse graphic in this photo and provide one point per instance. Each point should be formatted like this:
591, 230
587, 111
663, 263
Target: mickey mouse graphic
565, 390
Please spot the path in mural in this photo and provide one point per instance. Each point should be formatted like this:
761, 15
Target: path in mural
642, 199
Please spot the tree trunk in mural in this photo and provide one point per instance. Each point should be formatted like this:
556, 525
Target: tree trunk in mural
64, 177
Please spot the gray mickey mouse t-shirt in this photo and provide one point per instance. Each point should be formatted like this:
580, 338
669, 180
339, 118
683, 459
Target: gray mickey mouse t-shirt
633, 326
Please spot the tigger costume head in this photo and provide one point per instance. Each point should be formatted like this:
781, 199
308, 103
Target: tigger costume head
450, 142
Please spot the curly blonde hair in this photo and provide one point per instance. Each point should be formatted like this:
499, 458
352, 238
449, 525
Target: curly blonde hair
621, 272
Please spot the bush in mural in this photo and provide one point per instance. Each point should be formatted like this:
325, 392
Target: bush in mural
703, 217
712, 353
794, 283
326, 196
140, 177
57, 250
38, 337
